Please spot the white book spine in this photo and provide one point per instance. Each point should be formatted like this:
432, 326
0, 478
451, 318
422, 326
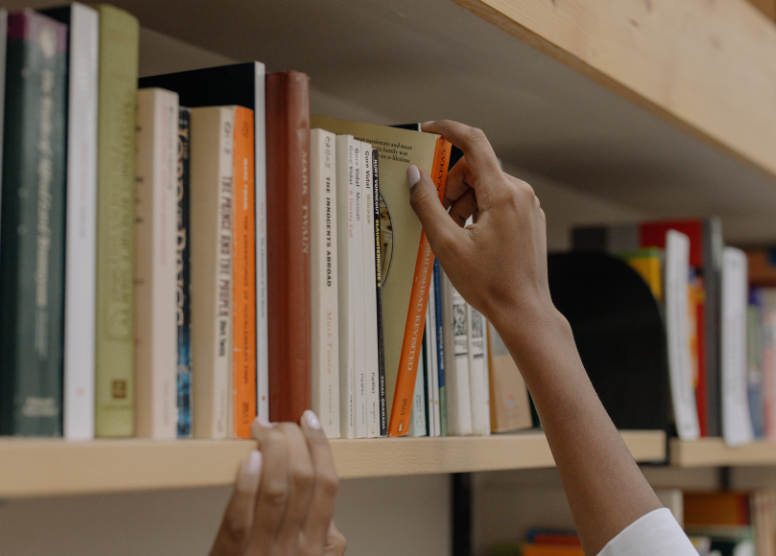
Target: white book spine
323, 263
418, 418
211, 268
431, 393
260, 165
156, 327
371, 355
356, 243
478, 373
81, 222
347, 334
431, 329
678, 331
459, 413
736, 420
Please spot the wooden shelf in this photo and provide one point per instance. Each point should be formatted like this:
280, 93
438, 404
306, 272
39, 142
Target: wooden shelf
713, 452
32, 467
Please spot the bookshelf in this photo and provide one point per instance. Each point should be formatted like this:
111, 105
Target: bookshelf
713, 452
33, 468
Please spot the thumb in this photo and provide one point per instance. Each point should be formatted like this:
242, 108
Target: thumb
442, 232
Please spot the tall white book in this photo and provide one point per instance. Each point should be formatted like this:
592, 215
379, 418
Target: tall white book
357, 285
211, 268
81, 219
324, 294
680, 371
371, 355
419, 415
736, 417
478, 373
456, 339
156, 325
346, 247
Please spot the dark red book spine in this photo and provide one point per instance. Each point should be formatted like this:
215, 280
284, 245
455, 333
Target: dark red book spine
288, 244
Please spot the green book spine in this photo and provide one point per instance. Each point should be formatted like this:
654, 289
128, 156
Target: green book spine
32, 236
114, 357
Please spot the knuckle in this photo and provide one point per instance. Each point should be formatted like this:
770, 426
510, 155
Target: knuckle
302, 477
329, 484
236, 532
475, 135
275, 493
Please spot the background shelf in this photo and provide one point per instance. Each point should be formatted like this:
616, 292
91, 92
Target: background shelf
713, 452
32, 467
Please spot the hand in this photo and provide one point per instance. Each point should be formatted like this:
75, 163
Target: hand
283, 500
498, 263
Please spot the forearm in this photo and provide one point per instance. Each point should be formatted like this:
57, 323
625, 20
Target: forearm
604, 486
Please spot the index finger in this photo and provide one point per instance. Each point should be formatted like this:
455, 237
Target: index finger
479, 154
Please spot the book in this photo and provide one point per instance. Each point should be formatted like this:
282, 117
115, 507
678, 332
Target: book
479, 387
242, 85
371, 354
440, 353
406, 257
456, 338
419, 419
346, 270
212, 166
33, 226
183, 268
736, 420
716, 508
243, 276
432, 367
754, 362
288, 244
80, 218
510, 409
768, 304
324, 260
705, 260
379, 292
3, 43
357, 283
114, 316
677, 330
156, 207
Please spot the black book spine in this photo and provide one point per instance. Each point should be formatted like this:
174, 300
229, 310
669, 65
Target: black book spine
378, 270
183, 267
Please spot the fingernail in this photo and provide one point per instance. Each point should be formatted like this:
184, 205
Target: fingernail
312, 420
250, 472
263, 422
413, 175
258, 424
427, 123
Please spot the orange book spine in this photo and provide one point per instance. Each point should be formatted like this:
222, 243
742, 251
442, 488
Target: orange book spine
401, 408
551, 550
244, 276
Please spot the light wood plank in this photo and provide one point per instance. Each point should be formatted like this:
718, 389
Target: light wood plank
55, 467
707, 67
713, 452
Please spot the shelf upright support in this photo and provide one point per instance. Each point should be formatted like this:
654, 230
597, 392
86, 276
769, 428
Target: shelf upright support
462, 514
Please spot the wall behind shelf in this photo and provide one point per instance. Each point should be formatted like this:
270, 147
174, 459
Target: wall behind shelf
369, 513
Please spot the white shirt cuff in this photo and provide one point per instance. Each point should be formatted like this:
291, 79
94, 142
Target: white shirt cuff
656, 533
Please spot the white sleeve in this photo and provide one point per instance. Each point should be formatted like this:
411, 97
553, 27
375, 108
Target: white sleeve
650, 535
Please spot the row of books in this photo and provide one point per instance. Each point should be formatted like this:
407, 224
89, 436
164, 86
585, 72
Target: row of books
156, 286
725, 523
701, 286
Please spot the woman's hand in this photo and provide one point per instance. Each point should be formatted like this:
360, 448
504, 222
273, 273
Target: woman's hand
498, 263
283, 500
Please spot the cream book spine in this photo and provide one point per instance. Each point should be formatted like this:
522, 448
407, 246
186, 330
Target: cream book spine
736, 420
156, 328
346, 298
372, 365
678, 333
211, 268
356, 254
435, 428
81, 222
456, 338
478, 375
325, 294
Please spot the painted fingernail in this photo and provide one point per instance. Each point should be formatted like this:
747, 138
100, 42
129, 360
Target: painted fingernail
413, 175
312, 420
250, 472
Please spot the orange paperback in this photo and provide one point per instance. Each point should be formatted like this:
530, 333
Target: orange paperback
244, 277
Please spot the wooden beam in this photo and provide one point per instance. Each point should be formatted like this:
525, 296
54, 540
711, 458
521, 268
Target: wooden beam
707, 66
